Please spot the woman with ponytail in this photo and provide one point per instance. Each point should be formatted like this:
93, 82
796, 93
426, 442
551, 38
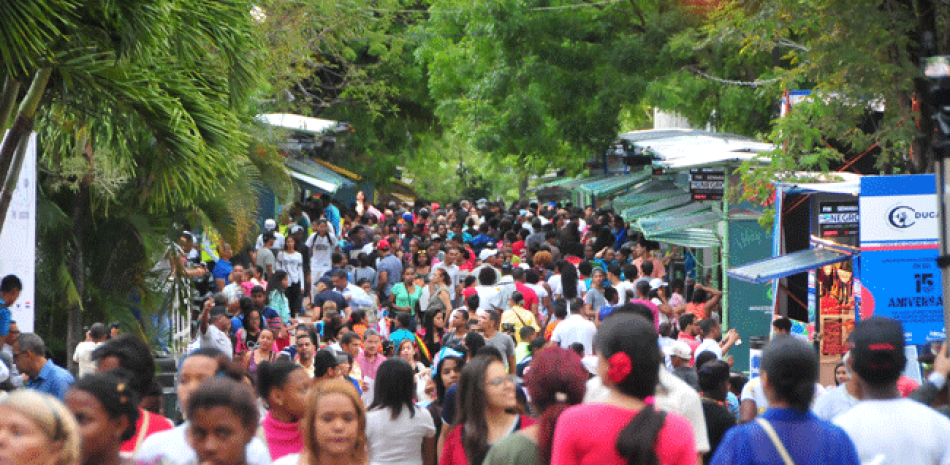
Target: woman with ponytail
628, 430
555, 382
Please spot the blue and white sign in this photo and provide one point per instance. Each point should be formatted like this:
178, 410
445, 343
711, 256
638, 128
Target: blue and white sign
900, 238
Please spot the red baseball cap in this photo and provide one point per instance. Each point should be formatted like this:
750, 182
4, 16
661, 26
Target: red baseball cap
383, 244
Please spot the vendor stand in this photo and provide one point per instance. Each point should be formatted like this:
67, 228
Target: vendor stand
850, 247
684, 203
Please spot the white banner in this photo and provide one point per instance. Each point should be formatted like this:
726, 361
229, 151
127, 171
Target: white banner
899, 219
18, 240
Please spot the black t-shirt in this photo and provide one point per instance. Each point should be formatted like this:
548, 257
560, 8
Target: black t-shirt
718, 421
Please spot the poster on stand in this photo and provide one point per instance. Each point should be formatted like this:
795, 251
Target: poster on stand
899, 247
18, 240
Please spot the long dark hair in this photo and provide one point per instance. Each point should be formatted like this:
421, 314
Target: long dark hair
395, 387
471, 410
273, 375
439, 385
568, 281
636, 337
273, 284
433, 335
554, 371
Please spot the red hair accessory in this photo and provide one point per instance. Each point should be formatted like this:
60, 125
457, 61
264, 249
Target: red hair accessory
619, 367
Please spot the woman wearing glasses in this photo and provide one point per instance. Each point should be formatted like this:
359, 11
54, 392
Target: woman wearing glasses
487, 415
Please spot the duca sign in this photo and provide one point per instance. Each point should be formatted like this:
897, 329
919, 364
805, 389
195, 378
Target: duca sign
903, 217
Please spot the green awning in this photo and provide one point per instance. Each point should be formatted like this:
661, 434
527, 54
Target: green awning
678, 200
667, 222
614, 184
559, 182
690, 237
314, 176
629, 201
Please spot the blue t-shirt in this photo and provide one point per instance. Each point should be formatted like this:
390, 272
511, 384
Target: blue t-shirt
271, 318
333, 216
479, 242
808, 439
605, 310
5, 317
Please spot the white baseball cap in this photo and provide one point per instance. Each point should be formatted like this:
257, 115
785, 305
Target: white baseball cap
656, 283
485, 253
680, 349
270, 224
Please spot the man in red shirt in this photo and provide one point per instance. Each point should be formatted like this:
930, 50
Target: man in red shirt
688, 331
518, 247
530, 297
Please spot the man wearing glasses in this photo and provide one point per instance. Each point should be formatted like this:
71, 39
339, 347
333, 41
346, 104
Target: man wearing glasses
29, 355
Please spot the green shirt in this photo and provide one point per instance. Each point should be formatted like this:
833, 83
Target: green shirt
516, 448
521, 351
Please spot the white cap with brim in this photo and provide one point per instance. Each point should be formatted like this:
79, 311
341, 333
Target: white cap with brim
680, 349
485, 253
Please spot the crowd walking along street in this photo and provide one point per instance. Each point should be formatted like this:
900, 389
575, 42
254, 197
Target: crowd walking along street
560, 232
494, 348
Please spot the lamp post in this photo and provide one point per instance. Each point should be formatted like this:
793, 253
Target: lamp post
937, 70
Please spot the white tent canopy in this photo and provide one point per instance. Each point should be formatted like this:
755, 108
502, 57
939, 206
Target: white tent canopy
688, 148
301, 123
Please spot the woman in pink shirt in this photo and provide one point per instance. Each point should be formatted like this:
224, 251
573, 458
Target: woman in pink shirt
628, 428
284, 386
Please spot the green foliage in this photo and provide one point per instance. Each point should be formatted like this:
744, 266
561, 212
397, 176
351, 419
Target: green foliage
146, 123
855, 56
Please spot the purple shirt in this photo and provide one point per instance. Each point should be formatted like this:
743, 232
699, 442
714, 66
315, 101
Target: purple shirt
368, 368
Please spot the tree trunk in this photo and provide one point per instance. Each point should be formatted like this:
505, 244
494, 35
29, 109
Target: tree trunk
77, 271
11, 87
10, 149
523, 186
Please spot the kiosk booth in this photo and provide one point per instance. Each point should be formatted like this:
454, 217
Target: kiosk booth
850, 248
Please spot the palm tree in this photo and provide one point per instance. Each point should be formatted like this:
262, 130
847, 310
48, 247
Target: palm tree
143, 112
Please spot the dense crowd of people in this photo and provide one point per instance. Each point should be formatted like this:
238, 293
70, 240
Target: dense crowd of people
462, 334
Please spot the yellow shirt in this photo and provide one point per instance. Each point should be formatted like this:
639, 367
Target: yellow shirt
519, 317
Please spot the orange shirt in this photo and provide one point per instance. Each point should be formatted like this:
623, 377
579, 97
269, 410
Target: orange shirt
697, 309
550, 329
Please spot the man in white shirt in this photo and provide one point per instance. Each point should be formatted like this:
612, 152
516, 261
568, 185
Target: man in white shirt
270, 226
83, 354
575, 328
885, 427
836, 401
710, 332
321, 244
171, 446
213, 327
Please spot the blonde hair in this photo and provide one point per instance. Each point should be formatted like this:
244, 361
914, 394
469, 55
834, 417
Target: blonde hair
311, 450
52, 417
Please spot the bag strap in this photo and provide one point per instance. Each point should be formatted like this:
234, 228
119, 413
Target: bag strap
143, 431
786, 458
